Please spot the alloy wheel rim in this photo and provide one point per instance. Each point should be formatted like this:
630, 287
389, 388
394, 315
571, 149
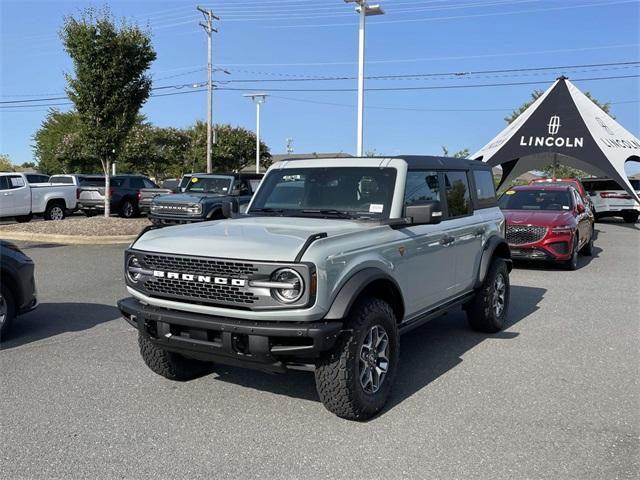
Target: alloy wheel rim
128, 209
499, 295
57, 213
374, 359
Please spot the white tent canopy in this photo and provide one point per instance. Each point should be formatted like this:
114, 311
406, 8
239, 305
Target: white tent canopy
563, 126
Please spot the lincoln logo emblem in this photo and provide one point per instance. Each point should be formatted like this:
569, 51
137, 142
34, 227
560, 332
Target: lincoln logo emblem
604, 126
554, 124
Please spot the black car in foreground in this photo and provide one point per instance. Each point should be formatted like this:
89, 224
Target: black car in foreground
203, 198
17, 285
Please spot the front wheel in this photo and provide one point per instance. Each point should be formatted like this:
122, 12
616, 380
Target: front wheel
170, 365
588, 247
487, 311
572, 263
354, 378
54, 211
7, 310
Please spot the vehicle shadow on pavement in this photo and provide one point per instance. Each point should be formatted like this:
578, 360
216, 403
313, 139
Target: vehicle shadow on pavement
51, 319
618, 222
583, 261
426, 353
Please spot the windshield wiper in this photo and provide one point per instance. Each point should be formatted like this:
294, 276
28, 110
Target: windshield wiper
266, 210
329, 211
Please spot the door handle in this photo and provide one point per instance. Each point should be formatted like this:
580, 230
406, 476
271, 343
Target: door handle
447, 240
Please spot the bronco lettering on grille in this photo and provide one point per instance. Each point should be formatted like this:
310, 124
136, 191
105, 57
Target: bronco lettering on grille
234, 282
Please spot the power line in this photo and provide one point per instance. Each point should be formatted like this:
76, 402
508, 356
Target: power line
456, 75
397, 89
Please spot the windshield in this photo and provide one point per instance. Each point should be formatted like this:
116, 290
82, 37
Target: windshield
215, 185
535, 200
343, 192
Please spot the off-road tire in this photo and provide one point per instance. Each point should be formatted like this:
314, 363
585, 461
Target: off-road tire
8, 309
587, 249
337, 371
572, 263
171, 365
55, 211
24, 218
481, 311
630, 217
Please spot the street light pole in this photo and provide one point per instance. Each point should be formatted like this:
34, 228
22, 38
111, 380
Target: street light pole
208, 27
364, 10
258, 99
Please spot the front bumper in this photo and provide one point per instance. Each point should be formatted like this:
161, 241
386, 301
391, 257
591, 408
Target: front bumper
174, 219
553, 247
265, 346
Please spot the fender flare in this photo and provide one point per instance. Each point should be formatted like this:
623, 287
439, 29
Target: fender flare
494, 243
215, 208
353, 288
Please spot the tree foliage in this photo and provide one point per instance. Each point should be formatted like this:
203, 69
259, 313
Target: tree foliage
235, 148
464, 153
5, 163
109, 84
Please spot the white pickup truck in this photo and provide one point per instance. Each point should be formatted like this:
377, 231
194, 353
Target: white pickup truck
22, 200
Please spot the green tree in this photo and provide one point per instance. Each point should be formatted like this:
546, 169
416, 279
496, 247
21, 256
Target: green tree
235, 148
28, 165
109, 84
459, 154
157, 152
5, 163
58, 146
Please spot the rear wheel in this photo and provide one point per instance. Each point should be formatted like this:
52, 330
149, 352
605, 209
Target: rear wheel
630, 217
354, 378
587, 249
7, 310
24, 218
171, 365
128, 209
54, 211
487, 311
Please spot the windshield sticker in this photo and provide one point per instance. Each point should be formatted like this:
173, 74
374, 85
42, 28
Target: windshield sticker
194, 180
510, 192
376, 208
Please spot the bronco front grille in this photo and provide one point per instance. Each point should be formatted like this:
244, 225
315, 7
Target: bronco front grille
166, 209
204, 292
199, 266
522, 234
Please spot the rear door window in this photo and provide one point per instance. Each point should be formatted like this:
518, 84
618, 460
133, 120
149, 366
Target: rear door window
458, 195
485, 188
15, 181
4, 183
136, 182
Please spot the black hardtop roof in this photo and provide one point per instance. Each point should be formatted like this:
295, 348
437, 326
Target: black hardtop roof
228, 174
426, 161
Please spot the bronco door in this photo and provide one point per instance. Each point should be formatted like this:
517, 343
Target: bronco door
425, 263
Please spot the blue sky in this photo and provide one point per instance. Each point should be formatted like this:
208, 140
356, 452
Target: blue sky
288, 39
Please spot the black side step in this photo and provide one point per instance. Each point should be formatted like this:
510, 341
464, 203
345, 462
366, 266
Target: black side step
436, 312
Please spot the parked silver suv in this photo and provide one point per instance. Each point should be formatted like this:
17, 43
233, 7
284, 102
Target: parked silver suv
332, 261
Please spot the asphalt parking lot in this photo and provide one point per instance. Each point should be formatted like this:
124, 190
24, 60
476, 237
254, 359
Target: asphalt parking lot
556, 395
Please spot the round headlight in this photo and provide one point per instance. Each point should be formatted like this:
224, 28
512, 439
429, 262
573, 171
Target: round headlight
291, 277
133, 269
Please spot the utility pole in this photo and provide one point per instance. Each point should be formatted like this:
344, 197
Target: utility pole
289, 146
209, 17
363, 10
258, 99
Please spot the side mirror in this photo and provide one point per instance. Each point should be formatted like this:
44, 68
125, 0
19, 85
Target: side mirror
230, 208
429, 213
580, 208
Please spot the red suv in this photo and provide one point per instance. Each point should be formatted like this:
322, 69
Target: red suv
570, 182
547, 222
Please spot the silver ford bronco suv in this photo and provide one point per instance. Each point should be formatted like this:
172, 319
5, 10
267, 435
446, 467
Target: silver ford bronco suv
331, 262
